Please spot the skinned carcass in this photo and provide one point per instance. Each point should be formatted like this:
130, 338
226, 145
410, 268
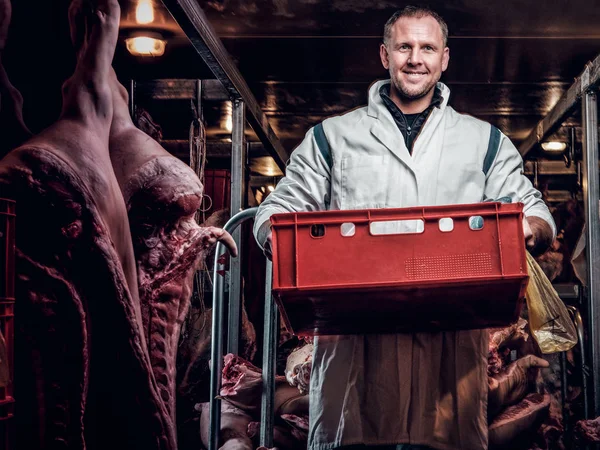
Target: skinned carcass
82, 362
162, 195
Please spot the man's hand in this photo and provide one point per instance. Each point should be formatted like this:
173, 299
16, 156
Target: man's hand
538, 234
529, 238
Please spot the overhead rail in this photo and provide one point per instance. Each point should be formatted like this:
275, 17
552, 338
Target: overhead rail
588, 79
192, 20
180, 89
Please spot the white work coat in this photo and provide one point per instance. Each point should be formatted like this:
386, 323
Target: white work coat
420, 388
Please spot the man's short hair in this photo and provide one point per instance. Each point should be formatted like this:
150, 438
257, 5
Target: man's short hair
418, 12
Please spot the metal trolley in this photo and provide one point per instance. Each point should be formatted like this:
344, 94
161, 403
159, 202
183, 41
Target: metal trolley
269, 343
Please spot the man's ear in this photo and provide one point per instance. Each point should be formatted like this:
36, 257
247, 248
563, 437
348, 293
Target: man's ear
385, 58
445, 59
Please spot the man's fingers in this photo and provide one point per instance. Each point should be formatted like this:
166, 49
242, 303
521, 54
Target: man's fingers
269, 246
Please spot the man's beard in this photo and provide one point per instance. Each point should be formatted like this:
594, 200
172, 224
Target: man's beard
412, 95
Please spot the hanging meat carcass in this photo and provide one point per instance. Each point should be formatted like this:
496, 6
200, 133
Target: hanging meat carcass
162, 195
85, 379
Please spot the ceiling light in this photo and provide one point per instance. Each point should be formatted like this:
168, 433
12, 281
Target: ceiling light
144, 12
554, 146
270, 188
228, 116
146, 44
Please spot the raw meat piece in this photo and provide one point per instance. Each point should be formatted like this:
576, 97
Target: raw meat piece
234, 427
517, 418
298, 367
283, 437
242, 387
501, 341
513, 383
241, 384
588, 430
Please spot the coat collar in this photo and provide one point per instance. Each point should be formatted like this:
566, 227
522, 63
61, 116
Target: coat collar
376, 108
384, 128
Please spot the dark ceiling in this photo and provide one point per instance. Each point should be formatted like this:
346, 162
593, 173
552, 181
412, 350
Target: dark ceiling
305, 60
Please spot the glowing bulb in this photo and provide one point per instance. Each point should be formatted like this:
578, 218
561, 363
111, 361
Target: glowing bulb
229, 123
228, 120
145, 46
554, 146
270, 188
144, 13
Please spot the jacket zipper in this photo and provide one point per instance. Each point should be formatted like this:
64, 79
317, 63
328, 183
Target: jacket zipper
412, 146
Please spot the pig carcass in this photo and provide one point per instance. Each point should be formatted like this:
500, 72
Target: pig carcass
85, 379
162, 195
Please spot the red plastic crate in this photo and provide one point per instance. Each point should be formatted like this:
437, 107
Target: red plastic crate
433, 280
217, 186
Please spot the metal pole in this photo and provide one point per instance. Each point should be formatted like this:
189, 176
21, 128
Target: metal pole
270, 338
591, 187
216, 354
238, 179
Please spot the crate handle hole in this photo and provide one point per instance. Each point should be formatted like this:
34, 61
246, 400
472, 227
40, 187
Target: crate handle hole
347, 229
446, 224
412, 226
476, 223
317, 230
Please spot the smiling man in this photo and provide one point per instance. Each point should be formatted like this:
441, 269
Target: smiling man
407, 147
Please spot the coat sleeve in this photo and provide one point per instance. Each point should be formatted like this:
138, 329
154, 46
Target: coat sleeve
506, 179
305, 187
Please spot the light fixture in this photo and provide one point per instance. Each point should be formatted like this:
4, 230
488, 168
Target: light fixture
554, 146
146, 44
144, 12
228, 116
270, 188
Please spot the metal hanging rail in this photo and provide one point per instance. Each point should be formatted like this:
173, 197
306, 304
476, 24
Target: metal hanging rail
565, 105
192, 20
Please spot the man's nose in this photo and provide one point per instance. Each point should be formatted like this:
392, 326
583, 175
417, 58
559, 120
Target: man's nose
415, 57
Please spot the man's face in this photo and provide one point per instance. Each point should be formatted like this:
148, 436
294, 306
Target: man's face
415, 56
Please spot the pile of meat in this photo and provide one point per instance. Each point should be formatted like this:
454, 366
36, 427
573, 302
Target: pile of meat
106, 250
241, 392
522, 412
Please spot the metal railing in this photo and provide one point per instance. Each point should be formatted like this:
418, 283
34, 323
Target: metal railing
269, 344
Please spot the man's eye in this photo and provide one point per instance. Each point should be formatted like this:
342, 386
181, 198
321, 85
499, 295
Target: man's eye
404, 47
429, 48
